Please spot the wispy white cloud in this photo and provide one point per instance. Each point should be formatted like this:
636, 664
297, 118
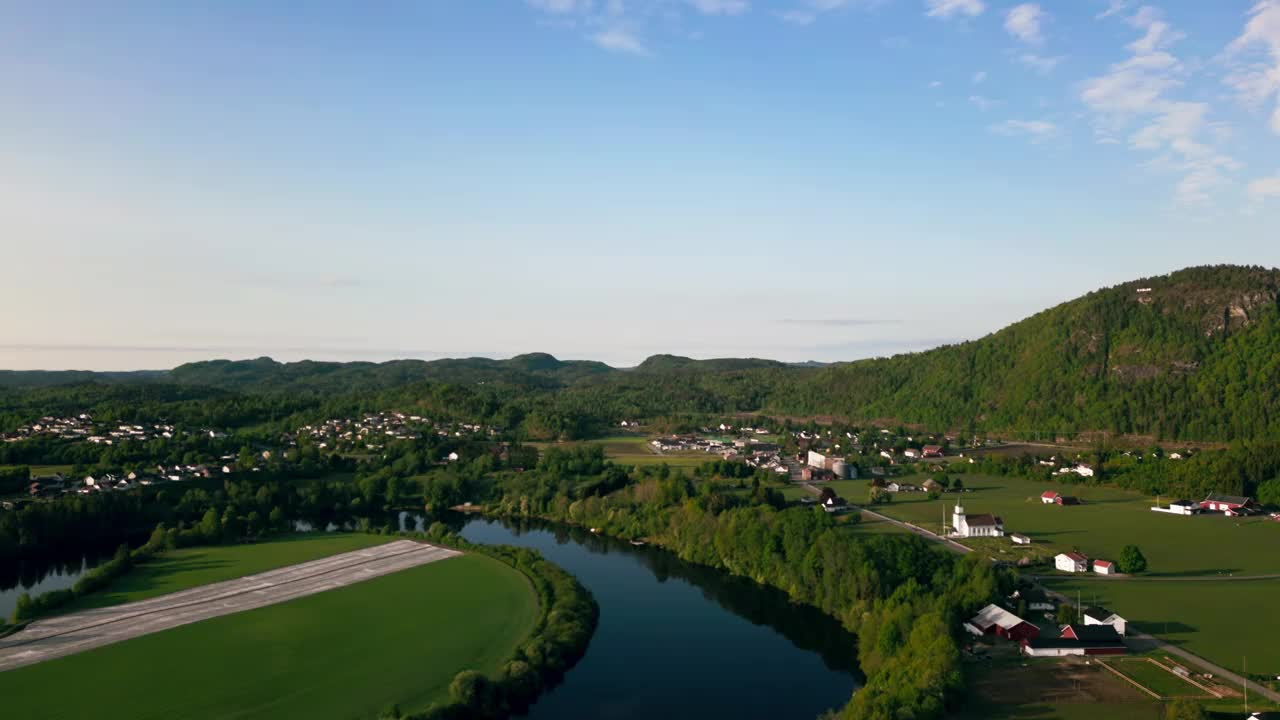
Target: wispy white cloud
1264, 189
720, 7
935, 84
619, 40
808, 11
1138, 90
1037, 130
979, 77
561, 6
1114, 8
947, 9
1024, 21
1040, 63
798, 17
1255, 60
982, 103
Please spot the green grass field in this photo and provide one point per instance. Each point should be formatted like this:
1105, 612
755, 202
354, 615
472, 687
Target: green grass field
1218, 620
345, 653
189, 567
39, 470
634, 450
1110, 519
1157, 679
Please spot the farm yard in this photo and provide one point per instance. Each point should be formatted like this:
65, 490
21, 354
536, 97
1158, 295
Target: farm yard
1157, 678
349, 652
1108, 519
1066, 689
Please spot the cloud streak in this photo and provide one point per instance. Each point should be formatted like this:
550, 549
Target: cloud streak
947, 9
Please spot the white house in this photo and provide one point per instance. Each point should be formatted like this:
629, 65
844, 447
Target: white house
1179, 507
1104, 567
967, 526
816, 460
1020, 539
1072, 562
1103, 616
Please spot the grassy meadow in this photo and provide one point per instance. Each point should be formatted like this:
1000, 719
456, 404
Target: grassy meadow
1110, 519
634, 450
188, 567
345, 653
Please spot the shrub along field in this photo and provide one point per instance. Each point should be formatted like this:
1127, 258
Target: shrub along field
1110, 519
185, 568
350, 652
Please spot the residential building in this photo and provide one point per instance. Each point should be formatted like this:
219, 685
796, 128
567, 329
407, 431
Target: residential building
1104, 567
1102, 616
1072, 562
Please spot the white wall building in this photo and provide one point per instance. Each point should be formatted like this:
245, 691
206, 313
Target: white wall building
967, 526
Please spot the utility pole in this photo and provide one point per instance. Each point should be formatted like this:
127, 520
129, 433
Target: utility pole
1245, 676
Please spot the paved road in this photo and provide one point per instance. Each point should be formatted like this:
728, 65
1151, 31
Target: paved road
1137, 640
67, 634
1156, 578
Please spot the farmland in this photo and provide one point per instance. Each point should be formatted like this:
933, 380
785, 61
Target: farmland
349, 652
634, 450
189, 567
1013, 688
1218, 620
1109, 520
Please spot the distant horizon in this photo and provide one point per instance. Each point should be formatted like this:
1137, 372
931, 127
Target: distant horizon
23, 357
794, 179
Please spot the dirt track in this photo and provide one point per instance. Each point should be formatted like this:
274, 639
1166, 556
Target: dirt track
67, 634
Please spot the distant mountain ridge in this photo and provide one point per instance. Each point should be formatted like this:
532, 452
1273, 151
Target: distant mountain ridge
1190, 355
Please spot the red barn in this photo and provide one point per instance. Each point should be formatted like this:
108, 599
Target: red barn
995, 620
1078, 640
931, 451
1216, 502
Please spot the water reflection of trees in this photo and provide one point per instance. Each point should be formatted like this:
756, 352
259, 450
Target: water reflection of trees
806, 627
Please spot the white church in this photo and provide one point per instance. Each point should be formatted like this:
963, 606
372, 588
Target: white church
968, 526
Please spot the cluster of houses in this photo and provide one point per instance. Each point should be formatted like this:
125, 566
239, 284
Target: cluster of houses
1074, 562
1100, 632
1229, 505
751, 450
50, 485
81, 427
372, 429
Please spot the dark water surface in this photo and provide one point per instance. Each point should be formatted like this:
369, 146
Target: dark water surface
682, 641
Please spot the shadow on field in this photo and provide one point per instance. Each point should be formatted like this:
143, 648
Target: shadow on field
1217, 573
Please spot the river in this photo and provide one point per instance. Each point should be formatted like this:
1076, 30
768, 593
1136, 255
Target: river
677, 640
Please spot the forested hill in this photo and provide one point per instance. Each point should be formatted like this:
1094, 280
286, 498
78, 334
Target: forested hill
1193, 355
1190, 356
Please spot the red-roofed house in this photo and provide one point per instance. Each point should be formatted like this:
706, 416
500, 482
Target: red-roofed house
1049, 497
1104, 567
931, 451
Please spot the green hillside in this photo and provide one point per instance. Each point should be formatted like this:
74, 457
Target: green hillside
1192, 355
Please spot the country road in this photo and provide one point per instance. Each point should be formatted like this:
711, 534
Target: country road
1144, 641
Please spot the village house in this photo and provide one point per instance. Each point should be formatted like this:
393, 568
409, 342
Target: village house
1101, 616
931, 451
1072, 562
1020, 539
1104, 567
1048, 497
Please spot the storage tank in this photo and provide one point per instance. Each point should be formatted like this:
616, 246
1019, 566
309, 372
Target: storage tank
841, 469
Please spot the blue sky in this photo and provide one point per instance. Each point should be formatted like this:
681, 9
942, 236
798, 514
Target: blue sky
801, 179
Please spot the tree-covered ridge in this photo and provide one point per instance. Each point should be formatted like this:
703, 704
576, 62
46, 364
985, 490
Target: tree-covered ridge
1189, 356
1194, 355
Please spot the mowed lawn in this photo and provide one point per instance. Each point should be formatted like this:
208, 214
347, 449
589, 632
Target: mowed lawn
345, 653
1111, 518
1220, 620
189, 567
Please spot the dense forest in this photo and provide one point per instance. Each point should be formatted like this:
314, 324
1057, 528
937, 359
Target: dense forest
1194, 355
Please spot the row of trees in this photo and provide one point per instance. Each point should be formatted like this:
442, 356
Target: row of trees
904, 599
